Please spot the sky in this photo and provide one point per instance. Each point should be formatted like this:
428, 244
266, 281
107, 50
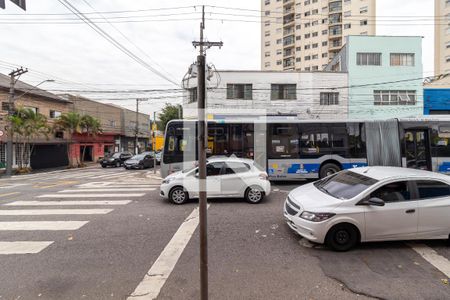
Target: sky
56, 45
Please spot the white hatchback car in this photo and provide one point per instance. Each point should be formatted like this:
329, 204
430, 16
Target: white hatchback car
371, 204
226, 178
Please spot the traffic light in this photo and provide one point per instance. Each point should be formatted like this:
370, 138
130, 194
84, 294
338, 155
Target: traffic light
19, 3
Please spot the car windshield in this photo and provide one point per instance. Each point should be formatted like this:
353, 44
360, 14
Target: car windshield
138, 157
115, 155
345, 184
189, 169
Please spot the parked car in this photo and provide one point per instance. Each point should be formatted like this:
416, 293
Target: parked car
115, 160
226, 178
371, 204
140, 161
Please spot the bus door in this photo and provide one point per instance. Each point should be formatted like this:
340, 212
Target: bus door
417, 149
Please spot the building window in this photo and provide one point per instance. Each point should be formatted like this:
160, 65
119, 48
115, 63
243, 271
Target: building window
307, 69
307, 25
307, 14
314, 11
239, 91
5, 106
347, 13
267, 54
298, 48
447, 45
315, 68
447, 58
298, 27
315, 23
298, 37
267, 43
329, 98
307, 47
279, 62
324, 21
347, 2
363, 22
283, 92
279, 41
267, 2
324, 32
314, 34
33, 109
368, 59
324, 55
347, 26
363, 10
112, 123
267, 23
307, 36
315, 56
267, 13
315, 45
298, 59
267, 33
307, 2
192, 95
278, 30
59, 134
55, 114
386, 97
402, 59
325, 43
307, 57
279, 51
267, 64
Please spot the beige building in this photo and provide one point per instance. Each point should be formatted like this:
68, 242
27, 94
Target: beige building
442, 37
304, 35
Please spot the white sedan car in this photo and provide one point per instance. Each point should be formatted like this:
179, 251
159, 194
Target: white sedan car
226, 178
371, 204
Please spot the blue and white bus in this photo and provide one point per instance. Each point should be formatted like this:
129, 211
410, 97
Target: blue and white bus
297, 149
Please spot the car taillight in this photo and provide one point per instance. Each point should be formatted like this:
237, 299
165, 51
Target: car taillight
263, 176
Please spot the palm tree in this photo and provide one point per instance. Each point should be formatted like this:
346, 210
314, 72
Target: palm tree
90, 126
27, 125
70, 123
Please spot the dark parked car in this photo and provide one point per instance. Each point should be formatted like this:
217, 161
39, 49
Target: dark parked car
140, 161
116, 159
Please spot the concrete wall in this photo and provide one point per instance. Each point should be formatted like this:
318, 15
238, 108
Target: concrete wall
361, 99
306, 105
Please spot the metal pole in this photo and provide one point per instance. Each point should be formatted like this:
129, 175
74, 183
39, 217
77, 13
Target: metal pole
9, 143
137, 128
154, 142
203, 217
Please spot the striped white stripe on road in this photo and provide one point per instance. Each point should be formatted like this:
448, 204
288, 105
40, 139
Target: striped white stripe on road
42, 225
25, 247
43, 212
156, 277
67, 203
129, 189
430, 255
90, 195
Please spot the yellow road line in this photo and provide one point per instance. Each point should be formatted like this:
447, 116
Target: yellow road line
54, 184
9, 194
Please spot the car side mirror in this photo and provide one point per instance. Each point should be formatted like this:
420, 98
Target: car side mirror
374, 201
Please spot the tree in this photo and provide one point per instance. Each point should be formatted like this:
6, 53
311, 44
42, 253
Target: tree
70, 123
169, 112
91, 127
27, 126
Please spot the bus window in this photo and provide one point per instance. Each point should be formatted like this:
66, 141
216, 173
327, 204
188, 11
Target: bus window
236, 141
249, 141
440, 142
217, 140
356, 140
314, 140
284, 141
180, 143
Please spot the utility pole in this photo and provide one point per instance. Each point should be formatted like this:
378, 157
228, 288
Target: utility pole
201, 144
9, 143
154, 142
136, 129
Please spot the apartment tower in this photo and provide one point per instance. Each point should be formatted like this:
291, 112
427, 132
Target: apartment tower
305, 35
442, 37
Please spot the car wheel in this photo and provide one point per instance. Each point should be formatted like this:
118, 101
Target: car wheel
328, 169
103, 166
178, 195
342, 237
254, 195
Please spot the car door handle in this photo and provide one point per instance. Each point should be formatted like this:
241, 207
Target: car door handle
410, 211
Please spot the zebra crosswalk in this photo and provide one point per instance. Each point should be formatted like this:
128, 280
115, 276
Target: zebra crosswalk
84, 201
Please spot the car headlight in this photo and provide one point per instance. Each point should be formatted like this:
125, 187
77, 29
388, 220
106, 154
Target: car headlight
111, 159
316, 217
166, 181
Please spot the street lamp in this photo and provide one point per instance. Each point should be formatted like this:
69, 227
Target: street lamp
34, 87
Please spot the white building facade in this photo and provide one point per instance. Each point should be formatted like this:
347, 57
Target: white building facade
305, 95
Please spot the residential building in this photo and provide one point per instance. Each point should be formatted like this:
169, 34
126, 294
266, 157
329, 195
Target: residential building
304, 35
442, 38
118, 129
48, 151
384, 76
308, 95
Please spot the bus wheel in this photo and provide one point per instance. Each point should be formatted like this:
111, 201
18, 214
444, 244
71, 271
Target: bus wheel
328, 169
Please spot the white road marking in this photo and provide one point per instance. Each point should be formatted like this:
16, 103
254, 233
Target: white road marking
90, 195
154, 280
129, 189
43, 212
67, 203
26, 247
430, 255
42, 225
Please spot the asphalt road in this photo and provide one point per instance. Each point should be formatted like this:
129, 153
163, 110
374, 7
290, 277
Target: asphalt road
105, 229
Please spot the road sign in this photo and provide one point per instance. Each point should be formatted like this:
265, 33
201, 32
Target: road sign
20, 3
